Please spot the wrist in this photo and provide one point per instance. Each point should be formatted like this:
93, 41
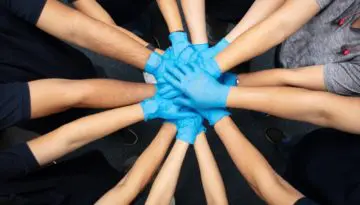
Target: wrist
178, 36
153, 62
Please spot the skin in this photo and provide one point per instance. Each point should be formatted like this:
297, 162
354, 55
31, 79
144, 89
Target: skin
194, 11
142, 171
51, 96
171, 13
261, 177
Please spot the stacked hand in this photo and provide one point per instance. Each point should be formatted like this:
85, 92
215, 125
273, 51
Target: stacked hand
190, 86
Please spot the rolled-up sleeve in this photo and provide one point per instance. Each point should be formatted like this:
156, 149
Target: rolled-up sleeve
342, 78
17, 161
15, 104
28, 10
323, 3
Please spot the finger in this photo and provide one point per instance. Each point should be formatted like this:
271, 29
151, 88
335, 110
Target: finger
181, 115
164, 89
172, 80
185, 69
177, 73
171, 94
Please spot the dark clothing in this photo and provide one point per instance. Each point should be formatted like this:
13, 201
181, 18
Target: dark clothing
79, 181
228, 10
26, 54
14, 103
325, 166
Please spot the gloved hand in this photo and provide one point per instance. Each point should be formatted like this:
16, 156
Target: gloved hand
202, 89
157, 65
179, 42
189, 128
210, 66
215, 50
213, 115
228, 78
158, 107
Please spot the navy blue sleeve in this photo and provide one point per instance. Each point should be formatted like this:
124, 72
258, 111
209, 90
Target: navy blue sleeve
14, 103
28, 10
17, 161
305, 201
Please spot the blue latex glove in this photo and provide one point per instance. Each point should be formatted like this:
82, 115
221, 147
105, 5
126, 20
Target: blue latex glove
166, 90
228, 78
200, 47
153, 63
215, 50
179, 42
213, 115
189, 128
158, 107
202, 89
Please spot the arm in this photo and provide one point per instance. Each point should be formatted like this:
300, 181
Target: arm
260, 10
51, 96
83, 131
254, 167
317, 107
93, 9
311, 77
194, 11
143, 169
165, 183
171, 13
210, 174
290, 17
72, 26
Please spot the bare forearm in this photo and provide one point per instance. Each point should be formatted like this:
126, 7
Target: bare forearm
317, 107
194, 11
54, 95
260, 10
83, 131
143, 170
308, 77
165, 183
73, 26
254, 166
210, 174
290, 17
171, 13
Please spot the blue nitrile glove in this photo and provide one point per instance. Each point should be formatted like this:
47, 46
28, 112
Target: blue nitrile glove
189, 128
158, 107
169, 54
210, 66
202, 89
228, 78
213, 115
166, 90
215, 50
200, 47
153, 63
179, 42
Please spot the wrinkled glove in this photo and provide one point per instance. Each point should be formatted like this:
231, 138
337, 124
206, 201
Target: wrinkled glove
179, 42
157, 65
158, 107
228, 78
189, 128
202, 90
213, 115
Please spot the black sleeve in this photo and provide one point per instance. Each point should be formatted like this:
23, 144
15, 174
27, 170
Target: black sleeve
28, 10
14, 103
305, 201
17, 161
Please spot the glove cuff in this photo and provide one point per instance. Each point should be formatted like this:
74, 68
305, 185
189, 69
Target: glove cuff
150, 107
200, 47
213, 68
153, 63
217, 118
222, 44
178, 36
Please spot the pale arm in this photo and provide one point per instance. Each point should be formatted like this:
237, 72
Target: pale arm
171, 13
142, 171
254, 167
165, 183
317, 107
194, 11
93, 9
80, 132
311, 77
260, 10
290, 17
71, 25
210, 175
